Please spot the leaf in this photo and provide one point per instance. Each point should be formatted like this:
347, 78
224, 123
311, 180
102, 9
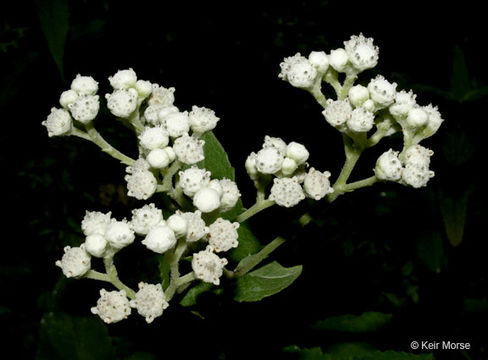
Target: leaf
248, 244
76, 338
360, 351
216, 160
191, 296
454, 212
459, 78
475, 94
54, 20
250, 261
314, 353
431, 251
164, 272
366, 322
266, 281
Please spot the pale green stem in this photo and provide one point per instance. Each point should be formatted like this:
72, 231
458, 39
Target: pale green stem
97, 139
316, 91
79, 133
253, 210
185, 279
111, 270
135, 121
168, 176
348, 83
173, 259
332, 79
360, 184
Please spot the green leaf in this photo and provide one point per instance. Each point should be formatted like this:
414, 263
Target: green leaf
431, 251
460, 77
248, 244
54, 20
76, 338
266, 281
249, 262
361, 351
475, 94
216, 159
164, 272
191, 296
454, 212
314, 353
366, 322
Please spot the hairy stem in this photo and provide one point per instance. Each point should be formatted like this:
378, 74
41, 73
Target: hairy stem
253, 210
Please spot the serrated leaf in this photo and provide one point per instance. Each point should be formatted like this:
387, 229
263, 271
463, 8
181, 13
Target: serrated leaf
191, 296
54, 20
366, 322
265, 281
216, 160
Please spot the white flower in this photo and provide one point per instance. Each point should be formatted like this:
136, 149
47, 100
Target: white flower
358, 94
162, 96
416, 172
144, 88
297, 152
58, 123
269, 160
196, 228
206, 200
288, 166
404, 102
95, 245
361, 120
361, 52
286, 192
369, 105
158, 158
151, 114
95, 222
215, 184
381, 91
316, 184
75, 262
207, 266
417, 118
141, 184
123, 79
67, 97
171, 153
166, 110
189, 149
122, 102
112, 306
85, 108
250, 165
222, 235
150, 301
145, 218
154, 138
177, 123
139, 165
230, 194
337, 112
276, 143
418, 156
179, 224
202, 120
298, 71
119, 234
338, 59
320, 60
84, 85
193, 179
160, 239
388, 166
434, 122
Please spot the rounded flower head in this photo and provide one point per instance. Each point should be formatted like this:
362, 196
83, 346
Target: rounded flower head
141, 183
297, 152
435, 120
404, 102
202, 120
193, 179
207, 266
337, 112
95, 222
150, 301
416, 172
84, 85
145, 218
319, 60
177, 123
316, 184
75, 262
230, 194
222, 235
154, 138
160, 239
269, 160
58, 123
144, 88
358, 94
112, 306
123, 79
298, 71
361, 120
381, 91
119, 234
158, 158
95, 245
196, 227
388, 166
151, 114
122, 102
338, 59
189, 149
206, 200
162, 96
361, 51
85, 108
286, 192
417, 118
250, 165
276, 143
68, 97
178, 223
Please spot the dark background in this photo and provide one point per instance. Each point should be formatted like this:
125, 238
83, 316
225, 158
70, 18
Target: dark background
417, 254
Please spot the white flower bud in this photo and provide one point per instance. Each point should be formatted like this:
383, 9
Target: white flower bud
415, 176
338, 59
435, 120
177, 123
215, 184
58, 123
75, 262
171, 153
150, 301
144, 88
206, 200
146, 218
160, 239
417, 118
119, 234
298, 71
288, 166
196, 227
202, 120
165, 111
193, 179
369, 105
250, 165
95, 245
189, 149
207, 266
286, 192
297, 152
112, 306
178, 224
358, 94
361, 52
275, 142
269, 160
361, 120
84, 85
319, 60
151, 114
95, 222
141, 184
123, 79
162, 96
418, 155
230, 194
158, 158
388, 166
404, 102
154, 138
316, 184
337, 112
222, 235
122, 103
67, 97
85, 108
381, 91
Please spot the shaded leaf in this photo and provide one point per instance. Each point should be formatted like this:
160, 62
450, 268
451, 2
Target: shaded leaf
164, 272
191, 296
366, 322
314, 353
475, 94
265, 281
360, 351
431, 251
454, 212
476, 305
216, 160
459, 78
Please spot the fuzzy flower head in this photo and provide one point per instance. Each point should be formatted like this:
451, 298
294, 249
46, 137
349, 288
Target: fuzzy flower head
189, 149
416, 172
119, 234
269, 160
275, 142
337, 113
222, 235
95, 222
196, 227
319, 60
361, 51
95, 245
286, 192
75, 262
202, 120
160, 239
388, 166
435, 121
177, 123
84, 85
58, 123
404, 102
230, 194
154, 138
298, 71
145, 218
112, 306
316, 184
141, 183
207, 266
85, 108
338, 60
207, 199
162, 96
122, 102
381, 91
150, 301
193, 179
123, 79
361, 120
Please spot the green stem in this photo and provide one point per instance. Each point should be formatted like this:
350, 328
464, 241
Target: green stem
173, 259
79, 133
316, 92
348, 83
253, 210
168, 176
331, 78
185, 279
360, 184
111, 271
